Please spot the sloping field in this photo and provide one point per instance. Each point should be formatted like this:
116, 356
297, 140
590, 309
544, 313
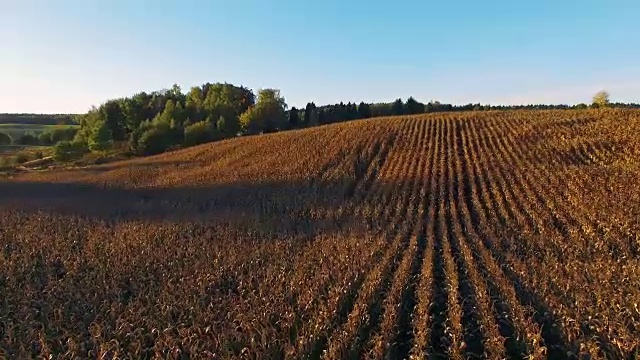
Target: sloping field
499, 234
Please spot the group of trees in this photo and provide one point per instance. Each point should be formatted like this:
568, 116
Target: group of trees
38, 119
43, 138
152, 123
313, 115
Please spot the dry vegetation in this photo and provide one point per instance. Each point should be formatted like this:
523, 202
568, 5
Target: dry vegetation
499, 234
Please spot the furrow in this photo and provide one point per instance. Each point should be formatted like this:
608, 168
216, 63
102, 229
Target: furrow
422, 319
357, 325
335, 312
390, 326
515, 321
473, 337
440, 342
551, 334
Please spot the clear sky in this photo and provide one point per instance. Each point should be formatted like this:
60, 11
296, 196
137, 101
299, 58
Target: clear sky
64, 56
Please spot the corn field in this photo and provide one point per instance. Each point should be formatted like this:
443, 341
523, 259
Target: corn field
492, 235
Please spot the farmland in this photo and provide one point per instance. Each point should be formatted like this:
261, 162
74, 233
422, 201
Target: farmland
17, 130
507, 234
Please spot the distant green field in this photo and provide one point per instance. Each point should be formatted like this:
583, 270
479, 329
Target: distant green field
17, 130
13, 149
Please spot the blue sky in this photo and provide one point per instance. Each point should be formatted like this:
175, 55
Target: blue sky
64, 55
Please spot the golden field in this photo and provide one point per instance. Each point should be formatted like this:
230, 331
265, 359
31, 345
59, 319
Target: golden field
493, 235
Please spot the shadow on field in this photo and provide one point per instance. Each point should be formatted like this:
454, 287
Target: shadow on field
276, 207
282, 209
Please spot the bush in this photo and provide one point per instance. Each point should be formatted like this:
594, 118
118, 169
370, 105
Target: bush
62, 134
101, 138
134, 138
5, 162
198, 133
5, 139
28, 139
54, 136
22, 158
44, 138
155, 140
66, 151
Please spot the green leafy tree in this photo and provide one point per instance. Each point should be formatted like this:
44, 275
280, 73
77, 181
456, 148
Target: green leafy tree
250, 121
65, 151
167, 115
198, 133
137, 133
223, 100
113, 115
44, 138
601, 99
88, 123
268, 115
58, 135
228, 128
101, 138
136, 110
155, 140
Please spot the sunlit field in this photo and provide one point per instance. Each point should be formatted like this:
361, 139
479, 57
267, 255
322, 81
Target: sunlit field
508, 234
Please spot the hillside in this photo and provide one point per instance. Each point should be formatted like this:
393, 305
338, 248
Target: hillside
503, 234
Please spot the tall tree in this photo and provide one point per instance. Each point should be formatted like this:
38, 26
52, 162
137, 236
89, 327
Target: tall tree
364, 110
310, 114
414, 107
294, 118
101, 138
267, 115
113, 115
601, 99
397, 108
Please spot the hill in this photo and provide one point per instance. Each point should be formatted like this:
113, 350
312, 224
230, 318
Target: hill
503, 234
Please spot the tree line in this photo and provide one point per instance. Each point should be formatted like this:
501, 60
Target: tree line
152, 123
38, 119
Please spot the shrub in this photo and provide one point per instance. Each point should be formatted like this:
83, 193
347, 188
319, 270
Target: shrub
154, 141
5, 162
198, 133
22, 158
101, 138
5, 139
66, 151
28, 139
44, 138
56, 135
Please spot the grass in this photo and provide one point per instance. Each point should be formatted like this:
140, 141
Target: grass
17, 130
